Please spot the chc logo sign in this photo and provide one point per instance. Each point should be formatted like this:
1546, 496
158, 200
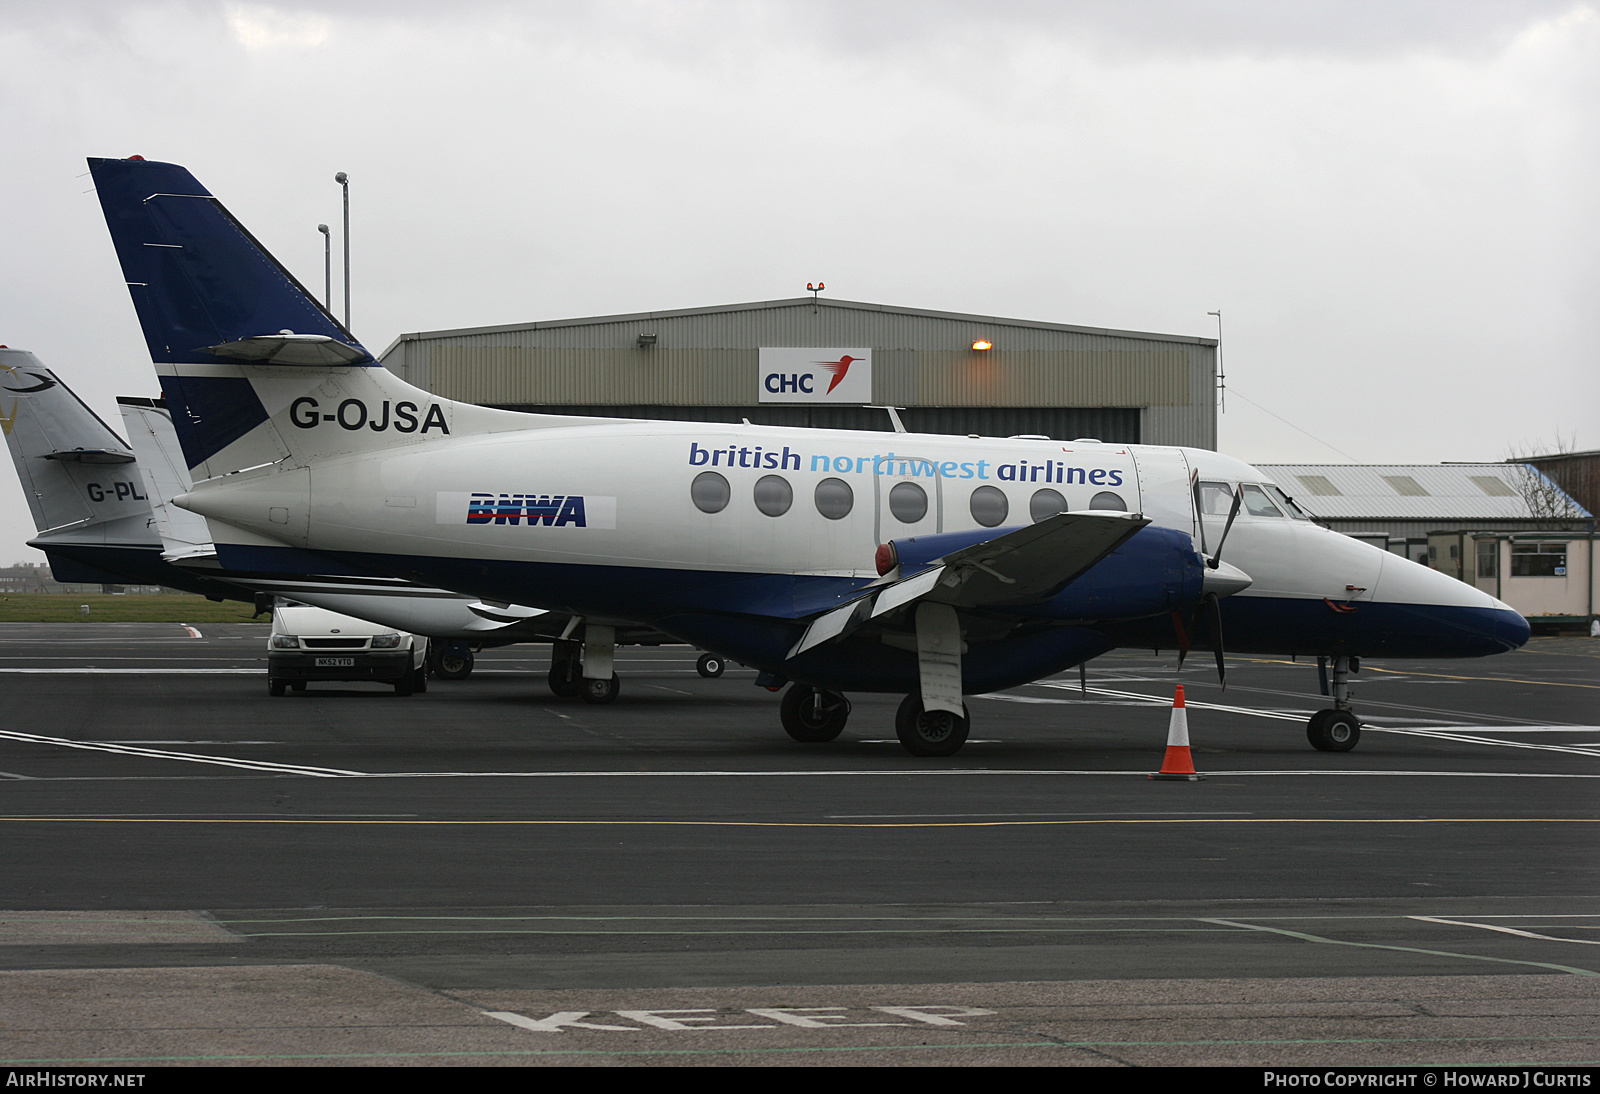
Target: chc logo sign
804, 375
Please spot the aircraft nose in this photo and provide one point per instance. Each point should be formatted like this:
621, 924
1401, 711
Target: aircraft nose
1440, 616
1510, 628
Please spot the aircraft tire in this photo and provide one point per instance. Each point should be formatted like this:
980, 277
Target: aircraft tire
600, 692
450, 666
566, 679
804, 721
1333, 731
710, 666
930, 732
274, 686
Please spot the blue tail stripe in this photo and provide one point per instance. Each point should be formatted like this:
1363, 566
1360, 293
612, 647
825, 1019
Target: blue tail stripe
197, 277
211, 412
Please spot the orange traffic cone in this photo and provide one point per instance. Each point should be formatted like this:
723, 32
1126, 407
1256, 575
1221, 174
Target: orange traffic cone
1177, 765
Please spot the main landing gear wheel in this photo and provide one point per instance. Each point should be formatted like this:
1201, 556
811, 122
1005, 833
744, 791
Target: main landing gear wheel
600, 692
811, 716
1333, 731
450, 665
566, 677
929, 732
710, 666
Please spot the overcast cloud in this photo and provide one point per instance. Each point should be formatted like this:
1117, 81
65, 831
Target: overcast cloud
1393, 203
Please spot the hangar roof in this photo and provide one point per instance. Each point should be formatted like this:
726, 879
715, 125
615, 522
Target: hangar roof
1451, 491
798, 301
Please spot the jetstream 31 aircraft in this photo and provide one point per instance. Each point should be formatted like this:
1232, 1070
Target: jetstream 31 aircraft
839, 561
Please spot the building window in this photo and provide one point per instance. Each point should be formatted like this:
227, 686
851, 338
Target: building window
1538, 560
908, 502
1046, 503
774, 495
1488, 555
710, 492
989, 506
835, 499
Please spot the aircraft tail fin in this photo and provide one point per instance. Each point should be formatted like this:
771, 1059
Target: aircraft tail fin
150, 432
256, 372
205, 289
77, 474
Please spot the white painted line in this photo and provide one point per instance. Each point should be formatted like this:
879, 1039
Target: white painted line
1505, 930
91, 671
190, 757
192, 632
1462, 734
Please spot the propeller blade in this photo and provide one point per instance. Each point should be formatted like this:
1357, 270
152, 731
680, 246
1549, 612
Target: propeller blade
1183, 637
1233, 511
1083, 678
1199, 519
1213, 608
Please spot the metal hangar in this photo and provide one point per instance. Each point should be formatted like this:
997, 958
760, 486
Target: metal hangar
816, 361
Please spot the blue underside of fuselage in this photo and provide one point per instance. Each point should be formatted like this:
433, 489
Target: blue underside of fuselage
756, 619
110, 564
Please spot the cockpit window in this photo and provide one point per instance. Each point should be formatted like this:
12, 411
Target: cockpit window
1216, 499
1257, 504
1285, 502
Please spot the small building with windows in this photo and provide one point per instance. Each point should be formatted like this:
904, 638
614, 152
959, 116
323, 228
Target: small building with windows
1397, 506
1547, 576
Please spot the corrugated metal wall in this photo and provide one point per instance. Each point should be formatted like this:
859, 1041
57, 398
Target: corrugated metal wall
708, 358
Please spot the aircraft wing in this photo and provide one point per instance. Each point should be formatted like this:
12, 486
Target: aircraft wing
1026, 566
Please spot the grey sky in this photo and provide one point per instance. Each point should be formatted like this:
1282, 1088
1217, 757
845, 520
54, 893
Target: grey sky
1392, 203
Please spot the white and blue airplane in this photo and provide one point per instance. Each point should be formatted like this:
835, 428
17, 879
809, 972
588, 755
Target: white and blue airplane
834, 561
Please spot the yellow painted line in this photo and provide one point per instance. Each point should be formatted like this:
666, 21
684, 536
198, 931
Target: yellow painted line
803, 824
1492, 679
1435, 675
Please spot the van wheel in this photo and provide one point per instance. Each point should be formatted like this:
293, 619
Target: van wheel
274, 686
451, 666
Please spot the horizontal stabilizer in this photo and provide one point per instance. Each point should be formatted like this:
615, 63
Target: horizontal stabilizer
291, 349
92, 455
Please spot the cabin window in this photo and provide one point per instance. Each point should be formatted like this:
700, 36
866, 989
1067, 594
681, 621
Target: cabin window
774, 495
710, 492
1046, 503
835, 499
989, 506
1538, 560
908, 502
1107, 500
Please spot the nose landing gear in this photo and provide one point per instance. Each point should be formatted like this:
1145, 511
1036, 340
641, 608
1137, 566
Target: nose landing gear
1336, 729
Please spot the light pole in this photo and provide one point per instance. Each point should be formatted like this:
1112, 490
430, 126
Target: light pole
327, 268
1222, 373
344, 181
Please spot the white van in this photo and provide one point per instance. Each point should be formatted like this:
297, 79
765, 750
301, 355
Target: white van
315, 644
